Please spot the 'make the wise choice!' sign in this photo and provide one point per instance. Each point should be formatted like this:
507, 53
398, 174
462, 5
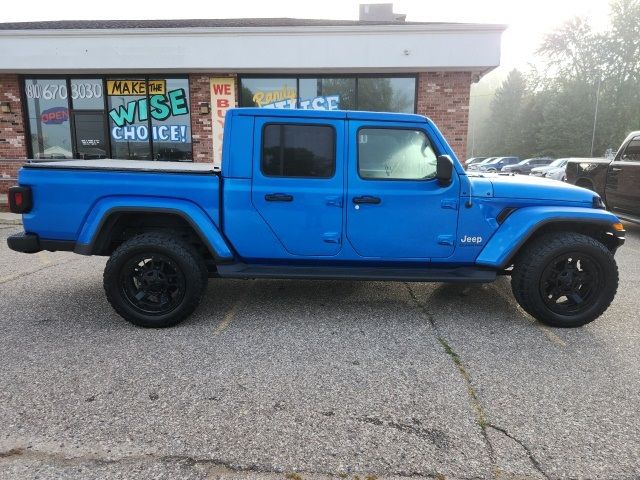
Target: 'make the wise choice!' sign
223, 97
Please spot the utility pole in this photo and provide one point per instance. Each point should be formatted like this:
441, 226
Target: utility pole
595, 116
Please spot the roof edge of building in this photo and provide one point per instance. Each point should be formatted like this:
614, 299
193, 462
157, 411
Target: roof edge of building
398, 27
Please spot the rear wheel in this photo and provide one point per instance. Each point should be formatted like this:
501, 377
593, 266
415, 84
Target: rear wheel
155, 280
565, 279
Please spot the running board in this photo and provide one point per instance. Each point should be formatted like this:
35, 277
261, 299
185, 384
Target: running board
404, 274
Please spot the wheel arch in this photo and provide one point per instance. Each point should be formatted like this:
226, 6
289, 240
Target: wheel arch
109, 225
528, 224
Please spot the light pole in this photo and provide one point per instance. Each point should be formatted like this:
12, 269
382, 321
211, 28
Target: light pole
595, 116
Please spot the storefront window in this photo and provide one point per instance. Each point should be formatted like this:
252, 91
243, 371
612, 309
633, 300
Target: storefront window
328, 92
129, 118
87, 94
382, 94
387, 94
170, 123
144, 119
48, 112
149, 118
269, 92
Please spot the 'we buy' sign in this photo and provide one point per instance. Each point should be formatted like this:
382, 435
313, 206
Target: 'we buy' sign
223, 97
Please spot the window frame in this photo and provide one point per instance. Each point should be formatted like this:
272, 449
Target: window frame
379, 127
103, 77
624, 151
334, 149
355, 76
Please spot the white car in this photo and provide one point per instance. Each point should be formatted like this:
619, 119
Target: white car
555, 170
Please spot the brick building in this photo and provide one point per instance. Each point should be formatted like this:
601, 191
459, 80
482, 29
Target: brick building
158, 89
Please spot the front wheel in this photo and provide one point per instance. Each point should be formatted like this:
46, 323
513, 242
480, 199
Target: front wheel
155, 280
565, 279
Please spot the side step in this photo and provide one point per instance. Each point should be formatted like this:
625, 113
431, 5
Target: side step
404, 274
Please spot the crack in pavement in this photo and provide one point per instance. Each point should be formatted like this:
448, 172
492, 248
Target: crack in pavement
59, 458
472, 393
529, 453
435, 436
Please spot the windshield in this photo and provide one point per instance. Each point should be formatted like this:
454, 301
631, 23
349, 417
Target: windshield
558, 163
488, 160
495, 160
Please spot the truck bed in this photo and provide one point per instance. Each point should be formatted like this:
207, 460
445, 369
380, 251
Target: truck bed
126, 165
68, 194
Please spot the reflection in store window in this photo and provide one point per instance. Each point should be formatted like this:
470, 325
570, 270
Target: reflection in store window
381, 94
387, 94
343, 88
48, 112
268, 92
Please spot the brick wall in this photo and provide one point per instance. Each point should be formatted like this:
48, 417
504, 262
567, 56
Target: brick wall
201, 132
13, 148
444, 98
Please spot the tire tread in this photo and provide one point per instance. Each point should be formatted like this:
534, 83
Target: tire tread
178, 248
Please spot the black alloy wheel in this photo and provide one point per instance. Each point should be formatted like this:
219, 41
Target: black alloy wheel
564, 279
152, 283
570, 283
155, 279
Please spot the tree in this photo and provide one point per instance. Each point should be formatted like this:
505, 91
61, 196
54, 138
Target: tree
502, 133
552, 110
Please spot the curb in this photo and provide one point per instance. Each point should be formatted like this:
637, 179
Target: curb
8, 219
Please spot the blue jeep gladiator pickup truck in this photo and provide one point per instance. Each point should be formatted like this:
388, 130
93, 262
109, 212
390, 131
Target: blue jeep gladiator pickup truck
321, 195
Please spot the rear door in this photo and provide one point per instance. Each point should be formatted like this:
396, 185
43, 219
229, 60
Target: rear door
298, 182
395, 208
622, 189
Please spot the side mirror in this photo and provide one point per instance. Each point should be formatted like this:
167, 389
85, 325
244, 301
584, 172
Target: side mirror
444, 170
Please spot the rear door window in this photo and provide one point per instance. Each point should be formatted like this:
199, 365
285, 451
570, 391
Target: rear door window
298, 151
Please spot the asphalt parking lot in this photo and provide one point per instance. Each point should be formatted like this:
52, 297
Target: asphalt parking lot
312, 380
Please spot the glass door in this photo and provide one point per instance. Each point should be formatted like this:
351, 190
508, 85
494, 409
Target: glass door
90, 135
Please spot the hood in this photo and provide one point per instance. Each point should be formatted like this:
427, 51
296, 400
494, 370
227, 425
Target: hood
535, 188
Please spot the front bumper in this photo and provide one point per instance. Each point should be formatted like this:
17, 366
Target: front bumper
31, 243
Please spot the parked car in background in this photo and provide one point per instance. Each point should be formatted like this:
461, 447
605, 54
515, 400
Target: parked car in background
474, 160
617, 181
524, 167
498, 163
476, 165
555, 170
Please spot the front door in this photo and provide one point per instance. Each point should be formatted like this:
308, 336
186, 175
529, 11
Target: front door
622, 192
395, 208
298, 182
90, 134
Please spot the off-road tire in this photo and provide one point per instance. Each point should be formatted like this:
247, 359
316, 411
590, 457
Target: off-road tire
531, 263
181, 255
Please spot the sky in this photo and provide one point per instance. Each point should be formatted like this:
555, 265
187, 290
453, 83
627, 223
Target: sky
527, 21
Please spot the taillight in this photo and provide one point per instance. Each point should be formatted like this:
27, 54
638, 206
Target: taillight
20, 199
